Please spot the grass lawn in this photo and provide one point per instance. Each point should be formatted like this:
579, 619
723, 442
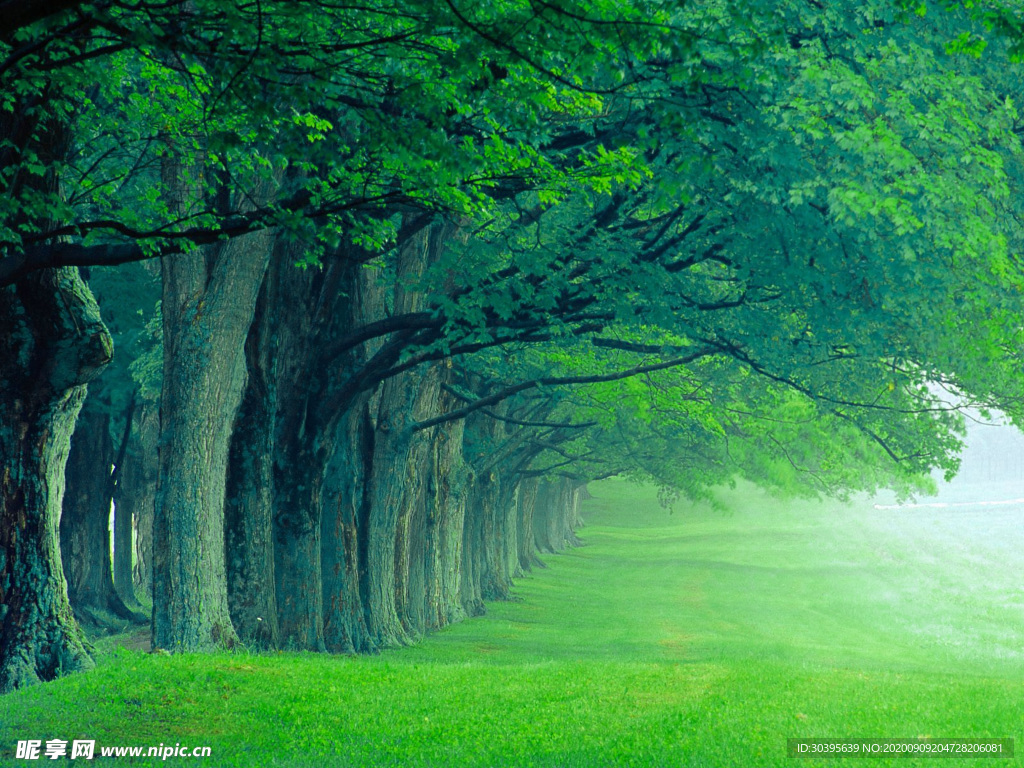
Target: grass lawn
706, 637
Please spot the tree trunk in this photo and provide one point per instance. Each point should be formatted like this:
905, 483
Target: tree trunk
493, 556
124, 520
447, 482
526, 545
471, 588
394, 490
248, 504
297, 550
84, 525
53, 343
124, 550
400, 462
323, 450
135, 497
343, 526
305, 305
209, 298
556, 515
492, 504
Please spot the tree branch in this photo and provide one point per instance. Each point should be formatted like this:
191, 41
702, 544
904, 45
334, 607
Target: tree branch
556, 381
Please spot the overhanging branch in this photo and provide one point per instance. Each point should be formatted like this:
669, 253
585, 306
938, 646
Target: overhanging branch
557, 381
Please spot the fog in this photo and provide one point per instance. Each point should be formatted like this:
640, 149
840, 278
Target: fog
946, 568
992, 465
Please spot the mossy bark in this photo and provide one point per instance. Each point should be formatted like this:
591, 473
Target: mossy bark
248, 503
492, 503
343, 529
445, 494
52, 345
209, 299
490, 554
314, 309
395, 492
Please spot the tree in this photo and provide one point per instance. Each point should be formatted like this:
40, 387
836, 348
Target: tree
740, 226
55, 345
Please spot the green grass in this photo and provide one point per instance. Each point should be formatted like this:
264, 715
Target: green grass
702, 638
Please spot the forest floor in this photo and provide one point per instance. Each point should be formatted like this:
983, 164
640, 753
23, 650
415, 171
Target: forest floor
704, 637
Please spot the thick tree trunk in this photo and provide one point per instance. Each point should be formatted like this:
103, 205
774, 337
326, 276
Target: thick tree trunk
488, 501
209, 299
400, 462
507, 552
493, 506
248, 504
322, 453
447, 484
413, 543
470, 586
394, 491
492, 534
84, 542
52, 344
84, 525
344, 521
299, 506
304, 303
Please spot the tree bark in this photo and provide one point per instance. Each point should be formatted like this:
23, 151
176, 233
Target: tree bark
471, 583
310, 308
344, 524
492, 504
492, 533
394, 491
209, 299
249, 542
400, 462
124, 520
447, 483
525, 506
53, 344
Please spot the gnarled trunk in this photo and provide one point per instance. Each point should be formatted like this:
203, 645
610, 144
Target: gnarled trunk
53, 343
308, 314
